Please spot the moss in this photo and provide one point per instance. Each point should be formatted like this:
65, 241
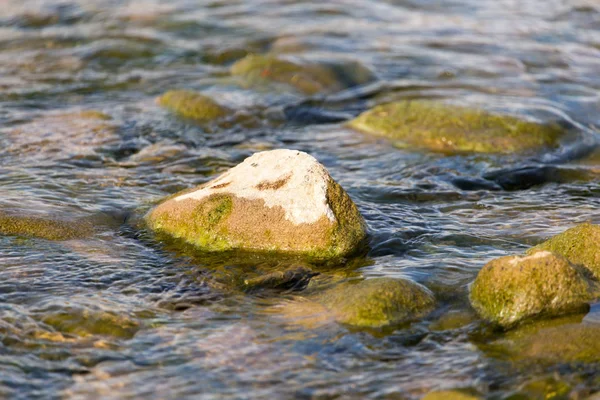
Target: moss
375, 303
449, 129
192, 105
580, 245
450, 395
202, 227
510, 289
307, 78
350, 227
12, 225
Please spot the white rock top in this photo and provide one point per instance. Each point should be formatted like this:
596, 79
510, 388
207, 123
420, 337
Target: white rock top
539, 254
291, 179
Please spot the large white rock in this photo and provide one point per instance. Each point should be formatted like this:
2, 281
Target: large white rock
279, 200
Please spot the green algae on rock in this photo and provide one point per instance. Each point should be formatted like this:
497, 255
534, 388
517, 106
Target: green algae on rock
378, 302
44, 228
294, 278
449, 129
580, 245
306, 78
511, 289
192, 105
275, 201
450, 395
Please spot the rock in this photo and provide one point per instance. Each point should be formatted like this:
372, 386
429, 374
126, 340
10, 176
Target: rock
580, 245
510, 289
68, 135
192, 105
557, 341
450, 129
279, 200
44, 228
375, 303
449, 395
306, 78
295, 278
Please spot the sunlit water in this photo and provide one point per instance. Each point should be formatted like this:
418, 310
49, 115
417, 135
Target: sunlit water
120, 315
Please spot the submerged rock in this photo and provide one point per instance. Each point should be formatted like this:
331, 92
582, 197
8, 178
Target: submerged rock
192, 105
450, 395
580, 245
449, 129
295, 278
376, 303
306, 78
279, 200
44, 228
69, 135
510, 289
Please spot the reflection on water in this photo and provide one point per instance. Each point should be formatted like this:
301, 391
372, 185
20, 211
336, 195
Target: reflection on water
116, 314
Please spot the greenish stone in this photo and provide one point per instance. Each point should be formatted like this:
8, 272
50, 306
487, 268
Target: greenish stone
511, 289
83, 322
192, 105
580, 245
377, 302
294, 278
451, 129
44, 228
306, 78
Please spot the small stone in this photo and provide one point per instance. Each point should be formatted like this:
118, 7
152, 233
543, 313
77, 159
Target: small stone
511, 289
279, 200
580, 245
451, 129
44, 228
375, 303
309, 78
294, 278
192, 105
449, 395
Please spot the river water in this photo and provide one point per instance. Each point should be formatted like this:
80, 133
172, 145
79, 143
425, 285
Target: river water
119, 315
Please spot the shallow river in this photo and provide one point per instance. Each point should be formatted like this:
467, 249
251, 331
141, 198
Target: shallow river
119, 314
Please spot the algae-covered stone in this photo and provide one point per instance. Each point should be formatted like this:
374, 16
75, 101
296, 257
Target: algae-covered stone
44, 228
447, 128
192, 105
279, 200
295, 278
510, 289
450, 395
307, 78
378, 302
552, 342
581, 245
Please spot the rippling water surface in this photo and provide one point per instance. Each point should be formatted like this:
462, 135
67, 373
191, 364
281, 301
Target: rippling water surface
118, 314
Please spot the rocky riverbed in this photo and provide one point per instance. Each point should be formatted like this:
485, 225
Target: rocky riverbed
447, 162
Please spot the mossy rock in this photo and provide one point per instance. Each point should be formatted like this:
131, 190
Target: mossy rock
193, 105
44, 228
84, 322
553, 343
376, 303
580, 245
305, 78
451, 129
511, 289
275, 201
294, 278
450, 395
